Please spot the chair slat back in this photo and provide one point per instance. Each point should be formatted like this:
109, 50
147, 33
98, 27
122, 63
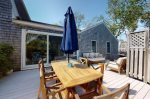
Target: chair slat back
84, 61
42, 79
121, 93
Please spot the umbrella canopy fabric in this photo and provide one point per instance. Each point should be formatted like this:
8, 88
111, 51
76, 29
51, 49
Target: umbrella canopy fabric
69, 42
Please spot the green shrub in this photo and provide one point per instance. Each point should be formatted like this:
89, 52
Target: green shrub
6, 62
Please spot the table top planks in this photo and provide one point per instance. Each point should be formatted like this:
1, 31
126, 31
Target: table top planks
76, 75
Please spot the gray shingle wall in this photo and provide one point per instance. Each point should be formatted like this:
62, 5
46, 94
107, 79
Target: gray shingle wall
5, 20
101, 34
12, 33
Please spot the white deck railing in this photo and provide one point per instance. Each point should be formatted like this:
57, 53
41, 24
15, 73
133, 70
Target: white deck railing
138, 55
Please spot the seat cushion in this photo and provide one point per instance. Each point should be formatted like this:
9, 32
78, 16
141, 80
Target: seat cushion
86, 55
100, 59
115, 66
92, 55
119, 60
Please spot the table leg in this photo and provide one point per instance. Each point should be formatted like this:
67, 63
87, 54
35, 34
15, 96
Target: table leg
69, 93
99, 85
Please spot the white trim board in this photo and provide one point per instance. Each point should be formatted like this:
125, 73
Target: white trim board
23, 47
38, 25
44, 33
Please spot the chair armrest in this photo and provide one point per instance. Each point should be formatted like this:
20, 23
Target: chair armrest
106, 89
112, 62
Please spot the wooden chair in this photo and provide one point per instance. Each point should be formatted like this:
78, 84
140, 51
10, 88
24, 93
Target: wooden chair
121, 93
84, 60
48, 75
44, 89
118, 66
90, 86
88, 62
89, 94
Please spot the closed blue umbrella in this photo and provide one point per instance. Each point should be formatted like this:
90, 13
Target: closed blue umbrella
69, 42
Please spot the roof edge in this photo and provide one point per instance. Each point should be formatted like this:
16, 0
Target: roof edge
22, 10
38, 25
110, 31
91, 26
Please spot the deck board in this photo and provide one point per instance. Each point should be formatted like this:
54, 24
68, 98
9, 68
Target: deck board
142, 93
147, 95
25, 84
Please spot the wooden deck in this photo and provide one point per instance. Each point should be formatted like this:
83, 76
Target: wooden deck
24, 85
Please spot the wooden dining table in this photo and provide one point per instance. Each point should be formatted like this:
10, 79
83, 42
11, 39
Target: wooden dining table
76, 75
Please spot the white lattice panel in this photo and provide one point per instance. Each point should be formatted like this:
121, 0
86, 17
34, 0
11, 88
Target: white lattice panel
137, 40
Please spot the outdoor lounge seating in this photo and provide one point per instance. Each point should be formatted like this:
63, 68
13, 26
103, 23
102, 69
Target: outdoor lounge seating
121, 93
118, 65
92, 58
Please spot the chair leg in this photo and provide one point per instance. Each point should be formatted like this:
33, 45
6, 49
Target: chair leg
39, 92
119, 71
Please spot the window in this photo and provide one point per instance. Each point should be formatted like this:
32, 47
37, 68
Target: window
108, 47
93, 46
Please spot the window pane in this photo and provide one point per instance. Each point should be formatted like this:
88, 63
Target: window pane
108, 47
54, 48
36, 48
93, 46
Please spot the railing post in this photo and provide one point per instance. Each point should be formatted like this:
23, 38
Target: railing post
146, 57
128, 55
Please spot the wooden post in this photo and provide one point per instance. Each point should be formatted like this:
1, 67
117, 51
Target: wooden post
140, 76
128, 55
136, 60
145, 56
148, 58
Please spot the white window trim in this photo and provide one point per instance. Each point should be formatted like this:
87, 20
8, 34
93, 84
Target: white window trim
106, 47
96, 45
23, 47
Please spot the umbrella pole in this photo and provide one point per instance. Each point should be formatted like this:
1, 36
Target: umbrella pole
68, 58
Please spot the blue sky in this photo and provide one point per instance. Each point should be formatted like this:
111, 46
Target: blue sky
52, 11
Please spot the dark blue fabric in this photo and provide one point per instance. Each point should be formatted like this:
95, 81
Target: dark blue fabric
69, 42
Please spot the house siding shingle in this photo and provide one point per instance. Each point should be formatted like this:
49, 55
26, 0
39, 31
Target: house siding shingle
102, 35
11, 33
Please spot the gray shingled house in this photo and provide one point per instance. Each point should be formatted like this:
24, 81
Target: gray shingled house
98, 39
32, 40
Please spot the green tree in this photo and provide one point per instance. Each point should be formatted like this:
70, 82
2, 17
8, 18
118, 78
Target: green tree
95, 20
107, 21
125, 14
80, 20
145, 18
